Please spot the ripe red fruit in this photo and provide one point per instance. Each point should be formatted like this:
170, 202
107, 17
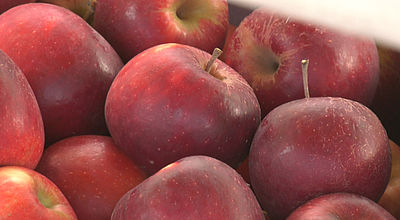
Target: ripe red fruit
196, 188
21, 125
91, 172
164, 105
266, 49
313, 146
68, 65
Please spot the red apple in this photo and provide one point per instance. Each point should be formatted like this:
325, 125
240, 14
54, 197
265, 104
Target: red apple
7, 4
390, 199
135, 25
266, 49
386, 103
195, 187
228, 37
163, 105
313, 146
91, 172
69, 66
21, 125
26, 194
83, 8
340, 206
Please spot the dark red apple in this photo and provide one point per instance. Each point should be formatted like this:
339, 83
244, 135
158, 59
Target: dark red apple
386, 103
91, 172
163, 105
313, 146
390, 199
195, 187
21, 125
340, 206
26, 194
133, 26
266, 49
69, 66
7, 4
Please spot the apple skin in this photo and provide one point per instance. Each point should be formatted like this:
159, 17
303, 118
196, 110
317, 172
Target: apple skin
91, 172
159, 112
267, 49
133, 26
390, 199
313, 146
22, 132
194, 187
228, 37
340, 206
386, 102
69, 66
7, 4
83, 8
26, 194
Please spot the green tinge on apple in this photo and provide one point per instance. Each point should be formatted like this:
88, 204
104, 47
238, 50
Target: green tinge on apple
189, 13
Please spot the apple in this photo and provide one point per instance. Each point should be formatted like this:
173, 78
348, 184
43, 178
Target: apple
26, 194
228, 37
22, 132
386, 101
69, 66
163, 105
266, 48
390, 199
313, 146
84, 8
340, 206
194, 187
133, 26
91, 172
7, 4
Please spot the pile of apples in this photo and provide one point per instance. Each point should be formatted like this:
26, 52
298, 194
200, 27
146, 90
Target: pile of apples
124, 109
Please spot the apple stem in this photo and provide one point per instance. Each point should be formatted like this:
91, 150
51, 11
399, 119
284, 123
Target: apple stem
304, 70
89, 16
216, 53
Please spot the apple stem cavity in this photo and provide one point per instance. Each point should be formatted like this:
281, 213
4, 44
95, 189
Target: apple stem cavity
216, 53
304, 70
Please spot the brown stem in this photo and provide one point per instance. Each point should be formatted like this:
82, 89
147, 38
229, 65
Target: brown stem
216, 53
304, 70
